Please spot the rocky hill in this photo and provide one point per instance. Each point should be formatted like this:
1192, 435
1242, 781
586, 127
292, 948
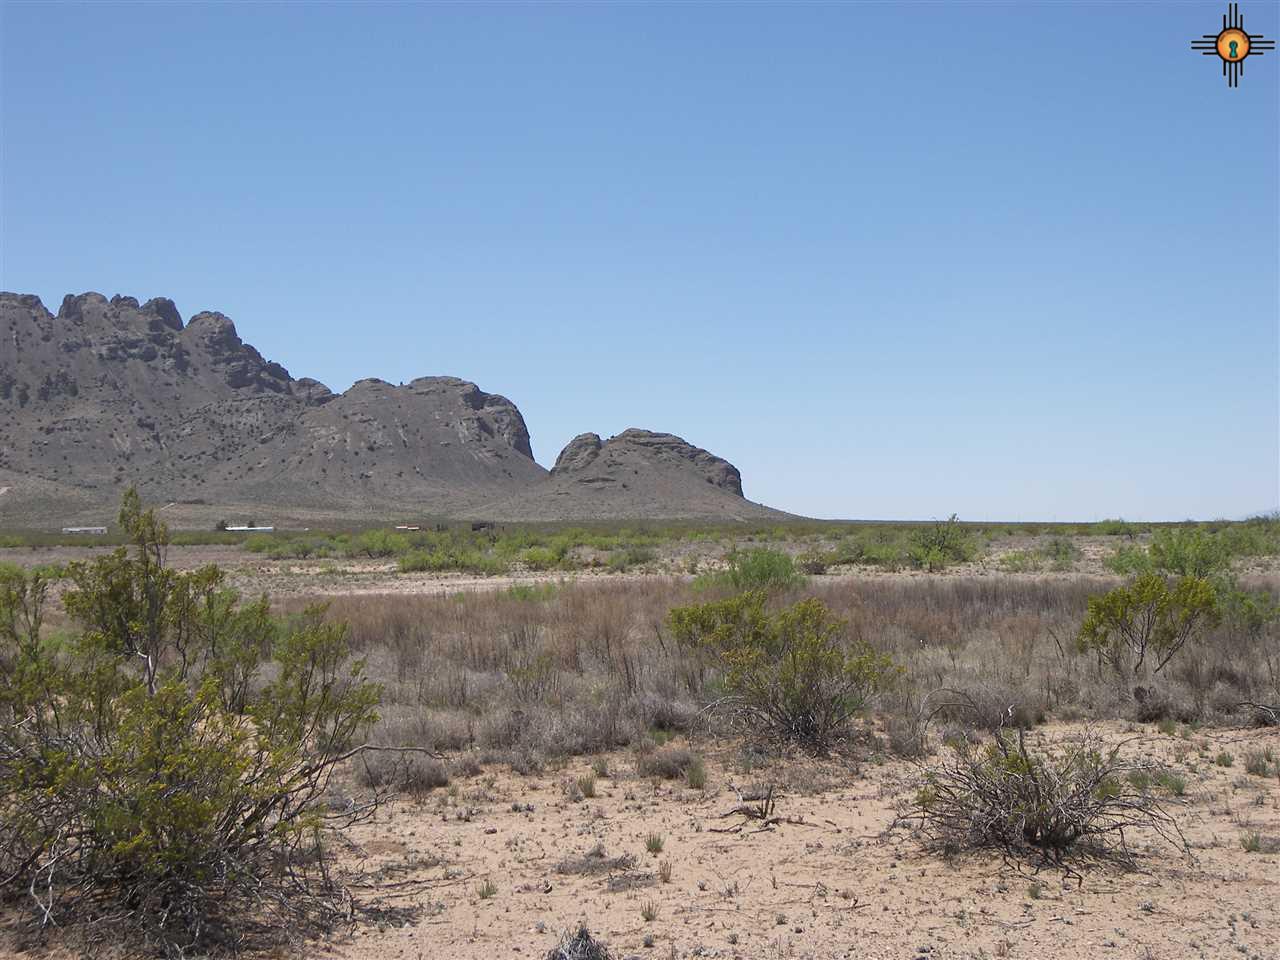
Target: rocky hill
108, 393
636, 475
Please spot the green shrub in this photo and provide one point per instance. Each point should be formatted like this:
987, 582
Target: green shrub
756, 569
1114, 528
1189, 552
545, 558
1129, 561
1022, 561
792, 674
623, 560
1061, 554
1148, 616
444, 560
940, 545
163, 764
379, 543
532, 592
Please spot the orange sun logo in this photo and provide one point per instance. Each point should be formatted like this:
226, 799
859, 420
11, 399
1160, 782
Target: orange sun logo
1231, 45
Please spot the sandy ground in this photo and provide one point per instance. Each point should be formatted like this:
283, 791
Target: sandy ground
832, 881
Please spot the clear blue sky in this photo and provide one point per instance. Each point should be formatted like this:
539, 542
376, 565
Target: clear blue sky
892, 260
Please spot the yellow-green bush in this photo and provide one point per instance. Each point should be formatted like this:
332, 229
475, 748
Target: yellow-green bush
163, 762
792, 674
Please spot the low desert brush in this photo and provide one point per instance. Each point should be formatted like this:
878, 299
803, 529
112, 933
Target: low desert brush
1051, 803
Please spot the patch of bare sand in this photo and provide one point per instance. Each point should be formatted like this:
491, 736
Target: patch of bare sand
833, 880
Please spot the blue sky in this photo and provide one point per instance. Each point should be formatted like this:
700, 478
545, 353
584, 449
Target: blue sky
892, 260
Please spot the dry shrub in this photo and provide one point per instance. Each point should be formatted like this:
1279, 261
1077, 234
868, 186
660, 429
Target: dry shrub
579, 945
1052, 803
595, 862
1153, 704
992, 706
669, 763
410, 773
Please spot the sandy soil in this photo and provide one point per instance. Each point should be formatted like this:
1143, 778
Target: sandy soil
832, 881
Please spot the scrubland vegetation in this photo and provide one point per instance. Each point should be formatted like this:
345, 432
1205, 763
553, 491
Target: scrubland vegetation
167, 747
816, 546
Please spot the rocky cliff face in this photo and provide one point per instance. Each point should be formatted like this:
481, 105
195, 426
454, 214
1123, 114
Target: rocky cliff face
639, 474
110, 392
587, 460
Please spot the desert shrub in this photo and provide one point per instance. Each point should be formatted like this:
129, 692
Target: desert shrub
1148, 616
1006, 795
579, 945
939, 546
379, 543
163, 763
887, 556
411, 773
669, 763
625, 559
1114, 528
1179, 552
449, 558
1022, 561
1160, 705
1061, 554
790, 674
1129, 561
544, 558
815, 562
1187, 552
990, 706
532, 592
756, 569
1258, 762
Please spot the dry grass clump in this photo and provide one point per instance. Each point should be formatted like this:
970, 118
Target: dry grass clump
580, 945
410, 773
595, 862
666, 763
1078, 797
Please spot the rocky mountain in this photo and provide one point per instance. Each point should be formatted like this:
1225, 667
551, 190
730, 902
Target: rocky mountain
636, 475
111, 392
108, 393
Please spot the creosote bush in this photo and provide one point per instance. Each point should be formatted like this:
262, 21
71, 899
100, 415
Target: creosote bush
1050, 803
760, 568
163, 763
1148, 616
936, 547
791, 674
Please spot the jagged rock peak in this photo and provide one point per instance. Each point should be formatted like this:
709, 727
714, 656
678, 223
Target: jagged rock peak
311, 391
164, 310
577, 454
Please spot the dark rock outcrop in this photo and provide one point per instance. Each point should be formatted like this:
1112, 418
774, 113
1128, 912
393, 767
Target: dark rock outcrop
639, 474
577, 454
109, 393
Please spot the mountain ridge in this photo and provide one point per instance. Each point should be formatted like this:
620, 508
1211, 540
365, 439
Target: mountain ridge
114, 392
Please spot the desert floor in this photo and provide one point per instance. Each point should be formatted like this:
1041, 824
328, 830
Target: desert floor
837, 878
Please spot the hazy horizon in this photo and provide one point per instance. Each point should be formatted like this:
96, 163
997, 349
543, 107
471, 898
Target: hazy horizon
887, 264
